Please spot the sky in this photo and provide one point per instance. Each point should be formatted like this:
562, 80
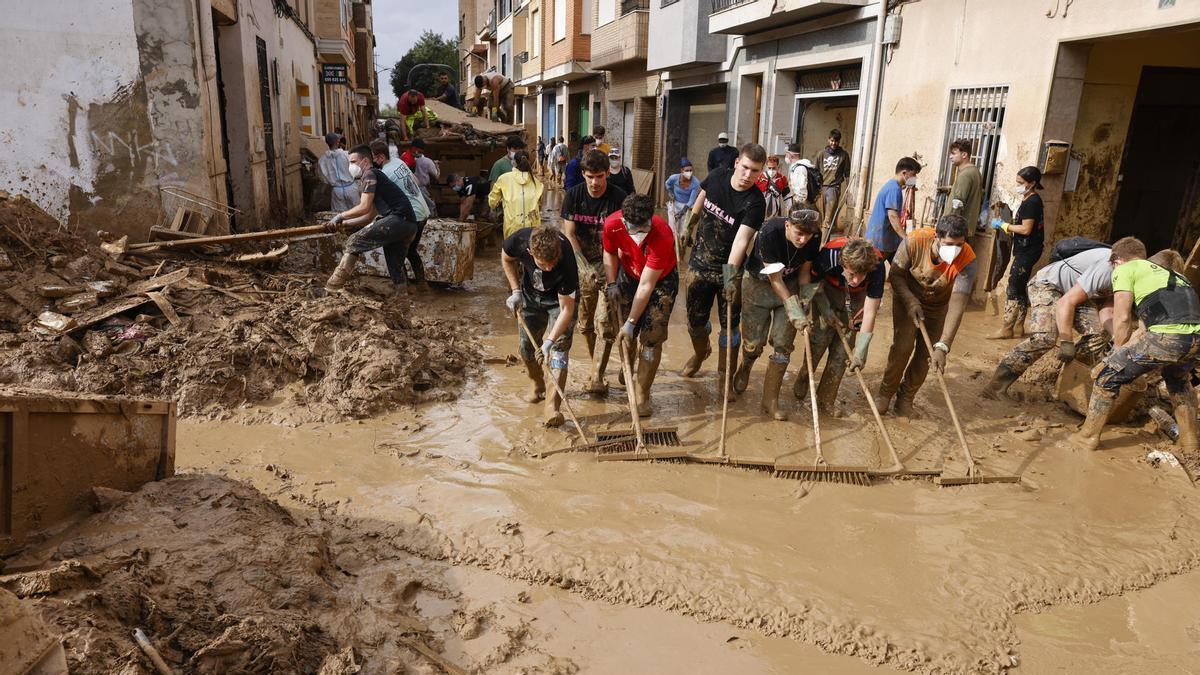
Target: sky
398, 24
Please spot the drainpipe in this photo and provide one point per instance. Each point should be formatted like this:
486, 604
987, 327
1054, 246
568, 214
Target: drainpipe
875, 103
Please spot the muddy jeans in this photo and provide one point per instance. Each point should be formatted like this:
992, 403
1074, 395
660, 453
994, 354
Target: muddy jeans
907, 357
540, 315
651, 328
828, 205
593, 303
1175, 355
824, 340
414, 258
391, 233
702, 289
764, 319
1043, 329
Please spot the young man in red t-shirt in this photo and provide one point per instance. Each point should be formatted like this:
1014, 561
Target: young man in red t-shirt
643, 279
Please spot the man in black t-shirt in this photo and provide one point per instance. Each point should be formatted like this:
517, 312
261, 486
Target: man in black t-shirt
394, 230
541, 272
728, 211
468, 188
779, 266
585, 206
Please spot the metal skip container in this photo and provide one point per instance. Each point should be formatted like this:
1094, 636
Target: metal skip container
447, 250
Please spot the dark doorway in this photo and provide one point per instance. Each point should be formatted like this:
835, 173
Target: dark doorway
1160, 169
264, 92
221, 109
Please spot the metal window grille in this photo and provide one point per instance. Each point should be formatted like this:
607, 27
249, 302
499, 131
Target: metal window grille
667, 3
718, 5
628, 6
828, 79
976, 114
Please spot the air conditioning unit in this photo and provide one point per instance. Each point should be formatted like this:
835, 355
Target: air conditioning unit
523, 57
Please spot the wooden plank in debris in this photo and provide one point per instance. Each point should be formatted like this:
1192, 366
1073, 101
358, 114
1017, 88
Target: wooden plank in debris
177, 221
155, 283
165, 307
94, 316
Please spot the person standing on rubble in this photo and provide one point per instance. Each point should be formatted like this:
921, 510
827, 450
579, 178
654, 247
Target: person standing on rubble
643, 280
334, 167
393, 230
778, 266
521, 194
1029, 237
1073, 294
1167, 305
932, 275
584, 210
544, 281
449, 94
729, 211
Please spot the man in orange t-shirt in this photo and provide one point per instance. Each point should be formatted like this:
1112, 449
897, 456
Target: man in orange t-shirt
932, 275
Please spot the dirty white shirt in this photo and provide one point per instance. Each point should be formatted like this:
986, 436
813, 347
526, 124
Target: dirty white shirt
1090, 269
400, 174
334, 168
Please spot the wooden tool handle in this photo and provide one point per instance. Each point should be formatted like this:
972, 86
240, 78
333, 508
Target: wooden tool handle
627, 368
549, 375
897, 466
812, 395
962, 439
728, 372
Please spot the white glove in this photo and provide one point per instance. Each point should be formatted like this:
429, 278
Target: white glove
337, 219
515, 301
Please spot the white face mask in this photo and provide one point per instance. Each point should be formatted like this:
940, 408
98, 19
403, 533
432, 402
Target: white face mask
771, 172
639, 237
687, 174
512, 154
910, 182
948, 252
355, 171
722, 143
1022, 189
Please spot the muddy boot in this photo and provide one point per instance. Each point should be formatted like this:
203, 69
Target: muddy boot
646, 371
904, 406
537, 389
552, 416
700, 351
1088, 436
742, 377
772, 381
1185, 417
342, 273
1002, 379
1019, 325
597, 385
1011, 308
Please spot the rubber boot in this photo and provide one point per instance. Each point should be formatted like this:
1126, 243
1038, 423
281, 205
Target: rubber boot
537, 391
553, 417
1185, 417
597, 385
1011, 308
722, 354
1002, 379
700, 351
741, 379
646, 371
1019, 325
1088, 436
904, 405
342, 273
772, 381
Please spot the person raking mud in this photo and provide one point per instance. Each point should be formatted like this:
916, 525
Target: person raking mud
584, 210
932, 275
729, 211
542, 275
1167, 305
779, 265
393, 230
643, 279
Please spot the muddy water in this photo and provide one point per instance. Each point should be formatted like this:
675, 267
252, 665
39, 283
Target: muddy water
902, 573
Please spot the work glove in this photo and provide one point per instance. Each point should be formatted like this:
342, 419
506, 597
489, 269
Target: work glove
614, 294
336, 221
627, 333
731, 275
998, 224
1066, 351
515, 302
543, 355
689, 230
795, 313
859, 358
938, 360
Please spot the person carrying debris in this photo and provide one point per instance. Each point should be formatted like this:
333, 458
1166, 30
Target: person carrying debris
521, 194
1072, 294
643, 279
932, 275
852, 274
558, 160
729, 211
499, 101
544, 281
778, 266
334, 167
411, 106
1167, 305
468, 188
1028, 231
584, 210
393, 230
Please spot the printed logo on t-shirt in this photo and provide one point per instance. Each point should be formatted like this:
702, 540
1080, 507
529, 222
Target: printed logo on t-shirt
539, 282
586, 219
718, 212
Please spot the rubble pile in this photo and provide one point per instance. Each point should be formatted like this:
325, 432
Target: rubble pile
209, 334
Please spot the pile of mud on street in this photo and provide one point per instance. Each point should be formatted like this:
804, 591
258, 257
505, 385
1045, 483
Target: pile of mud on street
214, 328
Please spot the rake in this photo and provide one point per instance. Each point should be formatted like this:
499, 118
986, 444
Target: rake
973, 477
820, 470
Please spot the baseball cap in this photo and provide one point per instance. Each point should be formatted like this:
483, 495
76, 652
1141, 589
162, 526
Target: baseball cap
614, 152
722, 136
685, 162
794, 147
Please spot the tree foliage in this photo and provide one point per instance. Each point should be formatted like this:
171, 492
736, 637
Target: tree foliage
430, 48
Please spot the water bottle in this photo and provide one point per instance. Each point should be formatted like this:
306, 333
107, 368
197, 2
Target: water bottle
1166, 423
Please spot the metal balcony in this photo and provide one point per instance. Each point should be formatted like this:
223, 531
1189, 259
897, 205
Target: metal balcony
743, 17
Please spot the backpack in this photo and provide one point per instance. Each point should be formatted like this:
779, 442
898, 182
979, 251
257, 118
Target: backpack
1073, 246
814, 184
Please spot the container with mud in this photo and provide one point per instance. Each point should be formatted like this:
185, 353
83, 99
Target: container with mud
1075, 388
447, 250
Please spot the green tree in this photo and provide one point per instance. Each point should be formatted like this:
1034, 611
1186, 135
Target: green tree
430, 48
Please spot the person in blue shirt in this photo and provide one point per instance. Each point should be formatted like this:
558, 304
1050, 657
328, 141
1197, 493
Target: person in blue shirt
574, 174
885, 229
682, 189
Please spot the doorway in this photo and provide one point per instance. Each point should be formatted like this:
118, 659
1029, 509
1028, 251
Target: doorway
1159, 183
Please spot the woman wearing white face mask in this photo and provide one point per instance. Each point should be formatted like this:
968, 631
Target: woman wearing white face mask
682, 189
932, 275
1029, 237
774, 186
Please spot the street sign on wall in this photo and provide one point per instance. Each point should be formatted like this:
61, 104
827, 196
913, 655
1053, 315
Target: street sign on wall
335, 73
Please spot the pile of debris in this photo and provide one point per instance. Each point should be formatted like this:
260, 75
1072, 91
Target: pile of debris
209, 333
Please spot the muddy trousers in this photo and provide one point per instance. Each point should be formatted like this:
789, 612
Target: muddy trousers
593, 303
391, 233
908, 359
414, 258
539, 315
824, 343
651, 329
1043, 330
1024, 258
1174, 354
827, 204
765, 320
703, 288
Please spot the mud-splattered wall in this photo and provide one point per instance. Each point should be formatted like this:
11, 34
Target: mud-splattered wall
101, 109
